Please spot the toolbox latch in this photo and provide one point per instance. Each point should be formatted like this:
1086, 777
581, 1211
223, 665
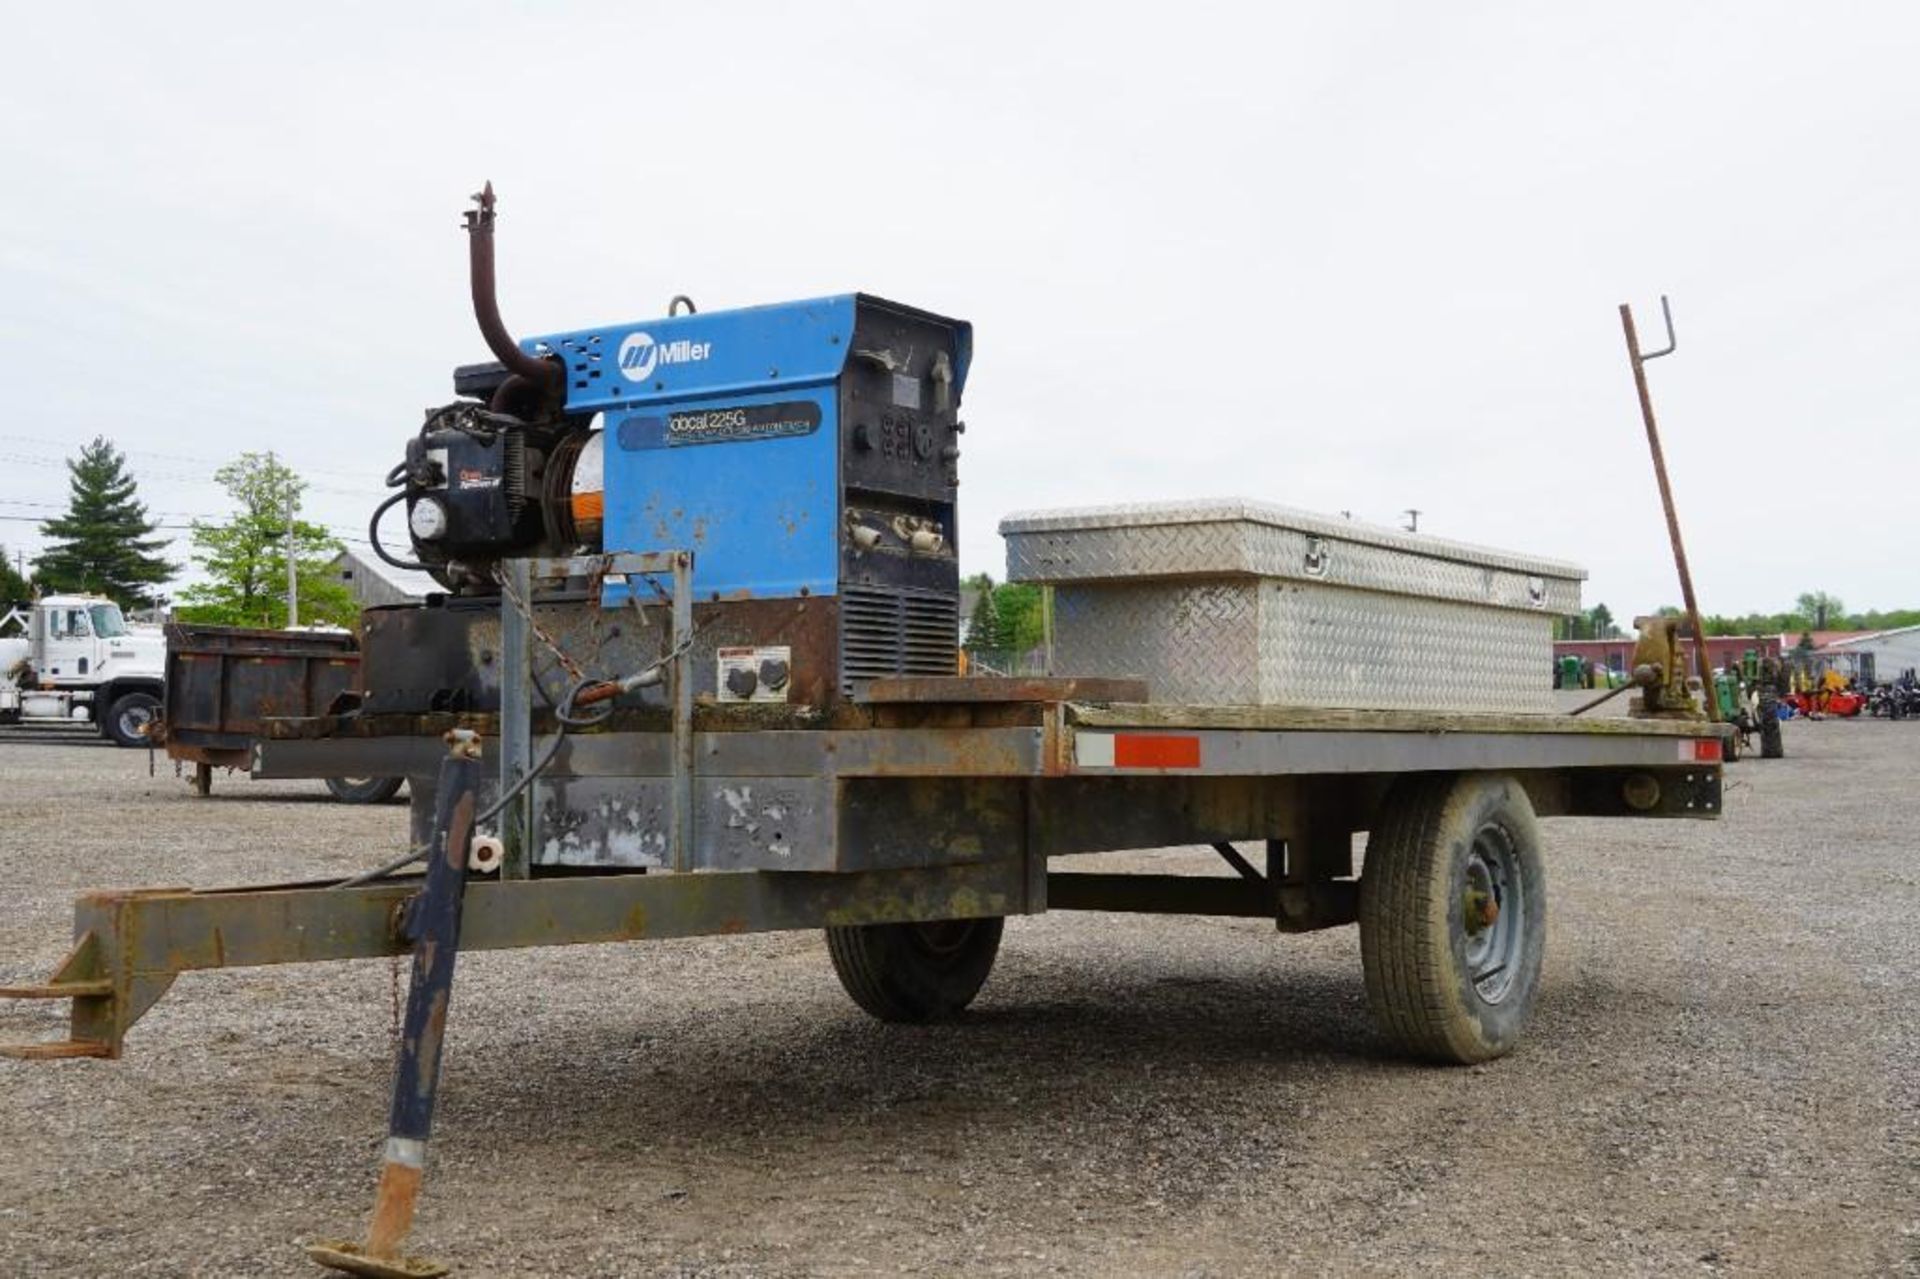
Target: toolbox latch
1315, 564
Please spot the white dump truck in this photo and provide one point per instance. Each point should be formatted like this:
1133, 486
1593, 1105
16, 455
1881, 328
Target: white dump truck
73, 659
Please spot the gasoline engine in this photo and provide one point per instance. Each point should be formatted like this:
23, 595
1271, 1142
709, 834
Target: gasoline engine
806, 454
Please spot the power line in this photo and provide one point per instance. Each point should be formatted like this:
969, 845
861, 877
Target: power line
145, 472
35, 519
338, 534
185, 515
62, 506
171, 457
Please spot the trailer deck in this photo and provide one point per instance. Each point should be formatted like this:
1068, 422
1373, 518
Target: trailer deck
988, 780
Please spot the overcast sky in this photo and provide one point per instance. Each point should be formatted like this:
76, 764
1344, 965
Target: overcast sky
1337, 256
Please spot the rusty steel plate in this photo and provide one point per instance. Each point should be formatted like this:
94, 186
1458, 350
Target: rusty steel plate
997, 688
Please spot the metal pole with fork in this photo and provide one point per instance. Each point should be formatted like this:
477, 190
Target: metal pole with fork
1639, 359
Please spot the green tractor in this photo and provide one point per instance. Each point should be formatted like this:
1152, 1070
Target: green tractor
1747, 696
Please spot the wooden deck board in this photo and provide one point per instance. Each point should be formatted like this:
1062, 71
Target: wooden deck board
1151, 715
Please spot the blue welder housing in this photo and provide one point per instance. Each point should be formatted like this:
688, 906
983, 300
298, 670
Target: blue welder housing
757, 437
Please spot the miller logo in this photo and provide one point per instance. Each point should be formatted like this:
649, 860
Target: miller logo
640, 355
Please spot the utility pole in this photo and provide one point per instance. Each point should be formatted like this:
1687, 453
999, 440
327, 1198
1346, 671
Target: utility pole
1413, 519
293, 574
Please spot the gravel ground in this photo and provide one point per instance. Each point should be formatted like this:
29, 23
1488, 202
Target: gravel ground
1723, 1076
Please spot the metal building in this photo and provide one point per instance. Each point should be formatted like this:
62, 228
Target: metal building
1878, 656
375, 583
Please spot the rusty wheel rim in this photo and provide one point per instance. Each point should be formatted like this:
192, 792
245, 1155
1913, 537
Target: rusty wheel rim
1492, 914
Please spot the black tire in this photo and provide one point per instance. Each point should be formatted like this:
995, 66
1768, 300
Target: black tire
1771, 747
915, 972
203, 780
1446, 846
1733, 748
129, 718
364, 790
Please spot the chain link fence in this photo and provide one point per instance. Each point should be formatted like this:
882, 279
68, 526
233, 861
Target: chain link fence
1005, 661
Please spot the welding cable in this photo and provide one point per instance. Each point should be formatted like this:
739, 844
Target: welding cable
373, 535
566, 717
381, 872
566, 714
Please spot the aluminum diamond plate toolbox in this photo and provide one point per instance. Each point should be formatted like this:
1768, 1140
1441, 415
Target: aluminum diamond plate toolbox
1235, 602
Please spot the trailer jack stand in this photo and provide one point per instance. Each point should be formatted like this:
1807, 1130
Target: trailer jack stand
431, 921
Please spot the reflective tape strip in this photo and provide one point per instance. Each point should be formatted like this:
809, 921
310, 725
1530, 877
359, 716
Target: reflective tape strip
407, 1152
1136, 750
1093, 750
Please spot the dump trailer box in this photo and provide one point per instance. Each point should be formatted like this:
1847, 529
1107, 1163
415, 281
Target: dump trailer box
225, 682
1232, 602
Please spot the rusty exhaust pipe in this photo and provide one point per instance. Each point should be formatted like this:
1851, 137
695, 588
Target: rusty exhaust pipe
531, 376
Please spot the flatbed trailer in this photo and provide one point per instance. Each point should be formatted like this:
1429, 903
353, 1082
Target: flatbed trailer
907, 824
995, 780
787, 750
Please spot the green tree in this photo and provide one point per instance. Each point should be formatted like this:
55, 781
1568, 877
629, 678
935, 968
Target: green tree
245, 559
1805, 614
1007, 620
1820, 609
1600, 623
104, 543
984, 631
1022, 619
1875, 620
14, 587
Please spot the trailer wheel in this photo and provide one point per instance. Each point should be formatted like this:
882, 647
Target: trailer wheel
364, 790
915, 972
1453, 916
1771, 747
129, 718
